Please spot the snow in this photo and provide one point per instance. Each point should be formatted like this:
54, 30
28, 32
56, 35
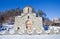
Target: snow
30, 36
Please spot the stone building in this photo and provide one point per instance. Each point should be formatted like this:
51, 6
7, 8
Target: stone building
56, 22
28, 20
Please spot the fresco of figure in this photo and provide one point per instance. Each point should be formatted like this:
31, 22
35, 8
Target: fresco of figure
28, 24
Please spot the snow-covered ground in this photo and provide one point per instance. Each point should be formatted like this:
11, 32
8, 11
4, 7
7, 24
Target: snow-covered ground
51, 30
30, 36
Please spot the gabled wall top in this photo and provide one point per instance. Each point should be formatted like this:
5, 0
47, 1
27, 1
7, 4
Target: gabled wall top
28, 9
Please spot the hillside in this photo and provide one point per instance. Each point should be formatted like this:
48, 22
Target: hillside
4, 16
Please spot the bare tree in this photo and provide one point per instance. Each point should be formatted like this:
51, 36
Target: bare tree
41, 13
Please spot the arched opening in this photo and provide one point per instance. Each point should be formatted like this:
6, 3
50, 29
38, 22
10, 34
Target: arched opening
28, 10
28, 24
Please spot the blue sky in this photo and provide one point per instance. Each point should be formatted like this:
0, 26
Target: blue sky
50, 7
